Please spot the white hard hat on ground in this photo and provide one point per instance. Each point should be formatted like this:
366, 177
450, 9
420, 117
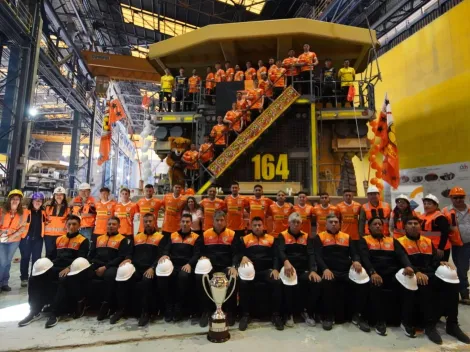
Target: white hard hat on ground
41, 266
288, 281
84, 186
431, 197
247, 272
359, 278
203, 266
125, 272
447, 274
372, 189
165, 268
78, 265
60, 190
402, 196
409, 282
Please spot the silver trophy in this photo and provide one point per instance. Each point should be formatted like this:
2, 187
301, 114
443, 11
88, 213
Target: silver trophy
218, 330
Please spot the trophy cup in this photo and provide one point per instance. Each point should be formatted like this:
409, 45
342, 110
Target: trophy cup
218, 330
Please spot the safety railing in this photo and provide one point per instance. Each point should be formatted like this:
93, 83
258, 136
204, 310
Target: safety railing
21, 12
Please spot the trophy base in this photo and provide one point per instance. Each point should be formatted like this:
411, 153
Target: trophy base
218, 337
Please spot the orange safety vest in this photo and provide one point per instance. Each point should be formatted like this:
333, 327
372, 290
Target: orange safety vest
291, 70
384, 244
55, 225
103, 212
190, 157
289, 239
421, 246
229, 74
454, 234
382, 211
427, 231
74, 243
109, 241
210, 81
194, 82
398, 227
250, 74
308, 59
220, 76
328, 239
265, 86
16, 227
87, 218
239, 76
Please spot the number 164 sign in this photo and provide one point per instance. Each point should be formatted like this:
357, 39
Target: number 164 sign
267, 167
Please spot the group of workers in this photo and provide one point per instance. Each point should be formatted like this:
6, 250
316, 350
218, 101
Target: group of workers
320, 261
268, 82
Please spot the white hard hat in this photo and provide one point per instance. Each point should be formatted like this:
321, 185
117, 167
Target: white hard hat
402, 196
165, 268
409, 282
446, 274
84, 186
288, 281
60, 190
372, 189
78, 265
125, 272
247, 272
431, 197
41, 266
203, 266
359, 278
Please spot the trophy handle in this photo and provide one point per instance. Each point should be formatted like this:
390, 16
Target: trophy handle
233, 288
204, 279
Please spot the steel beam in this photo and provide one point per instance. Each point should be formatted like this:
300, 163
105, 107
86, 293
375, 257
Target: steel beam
74, 146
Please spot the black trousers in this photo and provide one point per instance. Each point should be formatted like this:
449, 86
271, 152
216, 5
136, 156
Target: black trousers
307, 292
338, 292
246, 291
108, 294
42, 289
378, 300
173, 288
138, 283
71, 289
218, 149
49, 243
329, 94
432, 301
166, 95
191, 103
179, 95
305, 84
205, 303
210, 95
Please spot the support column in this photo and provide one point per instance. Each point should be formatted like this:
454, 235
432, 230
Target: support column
91, 143
313, 151
25, 92
74, 145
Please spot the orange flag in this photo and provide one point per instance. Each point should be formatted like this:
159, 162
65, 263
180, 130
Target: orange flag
116, 111
105, 143
351, 93
146, 101
388, 147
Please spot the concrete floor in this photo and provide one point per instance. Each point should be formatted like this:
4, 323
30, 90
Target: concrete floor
88, 335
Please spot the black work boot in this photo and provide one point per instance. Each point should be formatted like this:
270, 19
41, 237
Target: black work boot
453, 329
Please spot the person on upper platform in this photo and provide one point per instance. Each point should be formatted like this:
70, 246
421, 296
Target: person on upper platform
229, 72
347, 76
250, 73
167, 86
261, 69
219, 136
239, 74
374, 208
210, 86
307, 62
291, 65
219, 74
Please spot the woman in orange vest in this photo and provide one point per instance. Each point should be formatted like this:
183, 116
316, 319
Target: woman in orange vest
400, 212
31, 243
13, 227
435, 226
56, 216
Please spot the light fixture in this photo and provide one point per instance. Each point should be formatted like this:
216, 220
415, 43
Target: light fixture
32, 111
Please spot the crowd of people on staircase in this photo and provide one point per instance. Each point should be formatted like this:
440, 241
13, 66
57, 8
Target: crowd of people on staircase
265, 81
321, 261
